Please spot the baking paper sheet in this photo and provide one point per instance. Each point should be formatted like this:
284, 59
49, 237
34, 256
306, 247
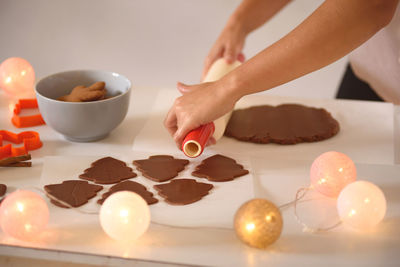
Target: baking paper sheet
366, 131
214, 210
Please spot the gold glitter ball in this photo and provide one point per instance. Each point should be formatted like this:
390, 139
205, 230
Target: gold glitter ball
258, 223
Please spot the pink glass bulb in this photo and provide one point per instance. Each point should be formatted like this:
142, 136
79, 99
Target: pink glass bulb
24, 215
331, 172
17, 78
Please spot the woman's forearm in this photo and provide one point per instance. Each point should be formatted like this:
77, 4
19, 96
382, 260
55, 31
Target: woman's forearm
332, 31
251, 14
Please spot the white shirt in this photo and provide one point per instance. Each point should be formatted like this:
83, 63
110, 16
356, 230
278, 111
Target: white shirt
377, 61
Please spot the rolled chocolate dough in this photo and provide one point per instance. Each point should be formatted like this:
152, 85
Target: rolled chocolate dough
284, 124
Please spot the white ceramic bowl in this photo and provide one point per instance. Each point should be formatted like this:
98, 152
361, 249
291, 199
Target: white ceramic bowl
83, 121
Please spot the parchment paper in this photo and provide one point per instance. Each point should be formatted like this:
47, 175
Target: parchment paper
214, 210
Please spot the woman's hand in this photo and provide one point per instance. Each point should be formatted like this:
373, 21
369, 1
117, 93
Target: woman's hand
229, 45
199, 104
247, 17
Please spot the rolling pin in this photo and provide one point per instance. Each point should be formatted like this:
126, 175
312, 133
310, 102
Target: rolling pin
195, 141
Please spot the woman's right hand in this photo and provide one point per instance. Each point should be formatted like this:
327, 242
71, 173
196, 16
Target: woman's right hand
229, 45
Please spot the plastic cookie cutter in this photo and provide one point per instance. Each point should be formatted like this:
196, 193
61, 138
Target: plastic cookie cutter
26, 121
30, 139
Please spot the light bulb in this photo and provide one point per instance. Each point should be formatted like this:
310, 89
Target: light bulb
125, 216
17, 78
24, 215
331, 172
258, 223
362, 205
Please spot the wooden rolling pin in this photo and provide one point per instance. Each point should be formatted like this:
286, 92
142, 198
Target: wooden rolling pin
195, 141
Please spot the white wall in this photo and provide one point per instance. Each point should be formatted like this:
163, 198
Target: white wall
154, 42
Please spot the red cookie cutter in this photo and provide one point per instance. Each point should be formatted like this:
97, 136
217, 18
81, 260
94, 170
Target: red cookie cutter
31, 141
26, 121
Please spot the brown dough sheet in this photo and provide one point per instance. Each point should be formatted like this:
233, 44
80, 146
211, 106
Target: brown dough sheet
284, 124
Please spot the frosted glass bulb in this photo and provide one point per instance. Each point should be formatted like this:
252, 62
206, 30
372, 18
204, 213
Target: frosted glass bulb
125, 216
17, 78
361, 205
331, 172
24, 215
258, 223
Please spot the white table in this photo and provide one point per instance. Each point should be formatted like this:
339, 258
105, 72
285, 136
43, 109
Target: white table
163, 245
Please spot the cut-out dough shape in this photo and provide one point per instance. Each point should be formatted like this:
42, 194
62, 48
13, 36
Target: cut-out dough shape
108, 170
129, 186
183, 191
73, 192
219, 168
160, 168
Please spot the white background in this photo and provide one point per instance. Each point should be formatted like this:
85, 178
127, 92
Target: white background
154, 43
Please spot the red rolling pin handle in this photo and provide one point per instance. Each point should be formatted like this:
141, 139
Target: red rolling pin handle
195, 141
